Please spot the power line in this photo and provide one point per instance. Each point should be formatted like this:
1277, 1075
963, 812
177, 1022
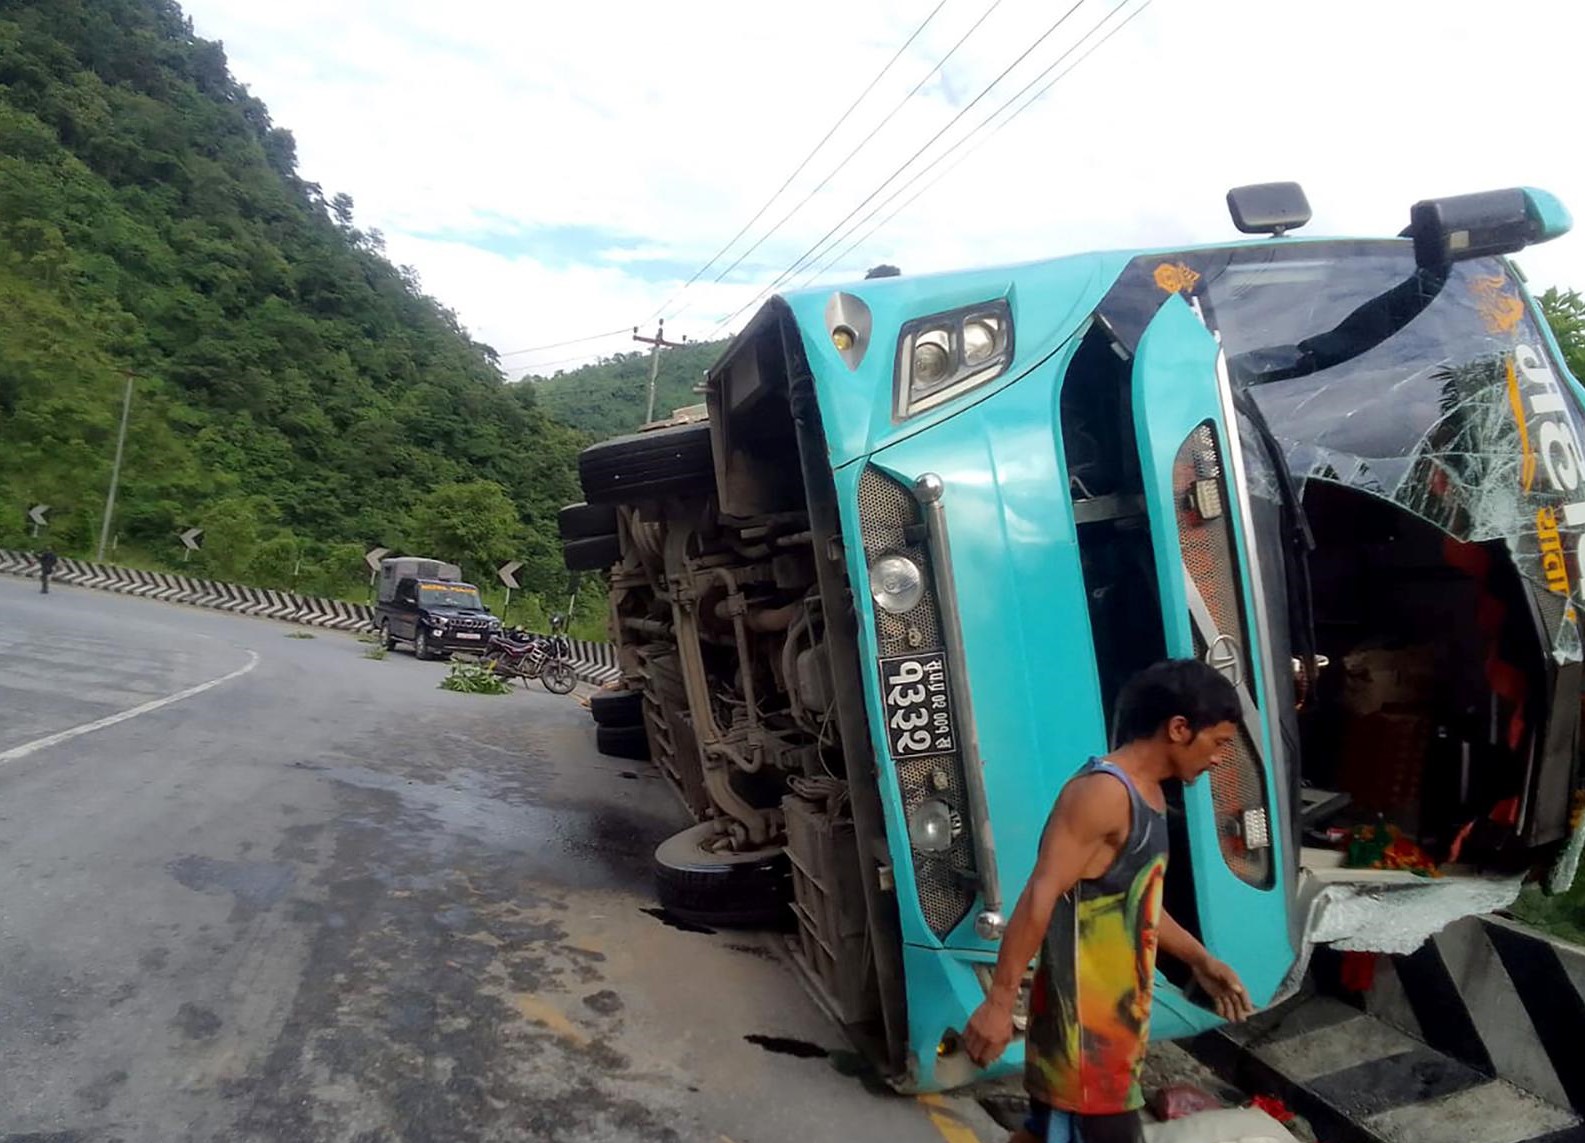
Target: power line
826, 138
862, 142
534, 370
981, 140
812, 251
559, 344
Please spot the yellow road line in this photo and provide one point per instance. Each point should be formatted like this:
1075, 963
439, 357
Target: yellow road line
531, 1007
947, 1121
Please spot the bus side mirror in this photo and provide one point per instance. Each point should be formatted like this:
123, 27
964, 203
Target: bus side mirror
1448, 230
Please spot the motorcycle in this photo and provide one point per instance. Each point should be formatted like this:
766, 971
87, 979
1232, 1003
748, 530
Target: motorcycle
515, 654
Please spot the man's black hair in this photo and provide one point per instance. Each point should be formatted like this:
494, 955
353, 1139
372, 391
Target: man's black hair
1172, 687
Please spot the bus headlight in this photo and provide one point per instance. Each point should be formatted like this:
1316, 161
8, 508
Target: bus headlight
980, 338
945, 355
931, 826
932, 360
897, 584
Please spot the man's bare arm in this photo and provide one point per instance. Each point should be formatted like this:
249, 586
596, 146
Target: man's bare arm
1220, 982
1178, 943
1090, 811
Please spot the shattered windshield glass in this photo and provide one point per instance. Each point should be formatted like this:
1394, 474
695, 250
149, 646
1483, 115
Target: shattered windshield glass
1435, 391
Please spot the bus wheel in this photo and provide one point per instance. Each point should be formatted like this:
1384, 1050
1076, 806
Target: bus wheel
596, 553
618, 708
674, 461
725, 889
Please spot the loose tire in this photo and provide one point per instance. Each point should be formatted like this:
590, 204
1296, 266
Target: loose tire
728, 890
586, 521
629, 742
596, 553
617, 708
648, 466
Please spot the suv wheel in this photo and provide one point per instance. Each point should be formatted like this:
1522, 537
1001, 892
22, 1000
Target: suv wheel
387, 640
421, 646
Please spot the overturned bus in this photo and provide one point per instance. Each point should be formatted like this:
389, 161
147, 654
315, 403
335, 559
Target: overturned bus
880, 592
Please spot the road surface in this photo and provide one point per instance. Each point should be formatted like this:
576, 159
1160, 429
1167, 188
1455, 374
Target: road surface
256, 887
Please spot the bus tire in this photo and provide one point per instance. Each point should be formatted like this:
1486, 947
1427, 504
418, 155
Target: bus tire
595, 553
586, 521
726, 890
617, 708
631, 742
675, 461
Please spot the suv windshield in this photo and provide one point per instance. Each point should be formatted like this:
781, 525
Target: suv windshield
1434, 391
449, 595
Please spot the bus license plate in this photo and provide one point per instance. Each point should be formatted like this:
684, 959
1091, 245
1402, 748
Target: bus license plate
918, 705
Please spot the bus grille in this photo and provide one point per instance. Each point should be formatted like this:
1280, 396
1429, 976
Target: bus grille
1239, 783
891, 523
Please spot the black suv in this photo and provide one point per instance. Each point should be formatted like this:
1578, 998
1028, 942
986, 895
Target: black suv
436, 616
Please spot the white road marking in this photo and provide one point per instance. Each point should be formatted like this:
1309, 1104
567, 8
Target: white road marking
18, 752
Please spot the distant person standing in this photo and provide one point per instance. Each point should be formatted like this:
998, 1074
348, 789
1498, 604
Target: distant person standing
47, 562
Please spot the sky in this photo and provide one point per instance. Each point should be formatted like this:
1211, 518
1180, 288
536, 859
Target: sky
557, 171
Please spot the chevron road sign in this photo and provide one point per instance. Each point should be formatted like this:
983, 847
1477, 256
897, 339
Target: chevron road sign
192, 539
508, 573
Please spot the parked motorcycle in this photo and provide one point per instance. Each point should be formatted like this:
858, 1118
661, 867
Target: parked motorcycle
516, 654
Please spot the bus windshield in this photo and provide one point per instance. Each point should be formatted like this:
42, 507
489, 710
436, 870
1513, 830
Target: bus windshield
1434, 391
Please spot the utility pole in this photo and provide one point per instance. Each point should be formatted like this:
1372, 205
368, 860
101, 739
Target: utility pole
115, 471
655, 343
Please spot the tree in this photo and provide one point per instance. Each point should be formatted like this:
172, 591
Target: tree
152, 220
607, 398
472, 524
274, 562
1565, 313
231, 538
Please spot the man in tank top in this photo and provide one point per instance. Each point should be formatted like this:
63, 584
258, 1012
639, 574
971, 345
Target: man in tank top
1092, 910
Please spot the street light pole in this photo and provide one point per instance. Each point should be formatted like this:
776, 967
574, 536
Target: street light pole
115, 472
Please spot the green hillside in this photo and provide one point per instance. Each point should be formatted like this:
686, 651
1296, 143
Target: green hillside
608, 398
295, 393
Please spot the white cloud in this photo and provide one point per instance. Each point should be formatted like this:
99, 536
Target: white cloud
672, 124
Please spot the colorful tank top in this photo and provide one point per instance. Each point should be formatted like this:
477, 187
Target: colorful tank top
1089, 1005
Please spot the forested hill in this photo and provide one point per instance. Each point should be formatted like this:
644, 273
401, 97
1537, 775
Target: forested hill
295, 393
609, 397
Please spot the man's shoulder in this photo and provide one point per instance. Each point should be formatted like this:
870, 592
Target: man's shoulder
1094, 792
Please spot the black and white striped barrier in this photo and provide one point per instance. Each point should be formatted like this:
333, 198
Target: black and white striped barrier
595, 662
1498, 997
170, 587
1472, 1037
1357, 1079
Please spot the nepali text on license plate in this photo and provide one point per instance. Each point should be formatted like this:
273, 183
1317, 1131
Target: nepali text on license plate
918, 705
468, 635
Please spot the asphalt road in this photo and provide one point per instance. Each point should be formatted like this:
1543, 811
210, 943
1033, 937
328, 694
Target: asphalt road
317, 898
